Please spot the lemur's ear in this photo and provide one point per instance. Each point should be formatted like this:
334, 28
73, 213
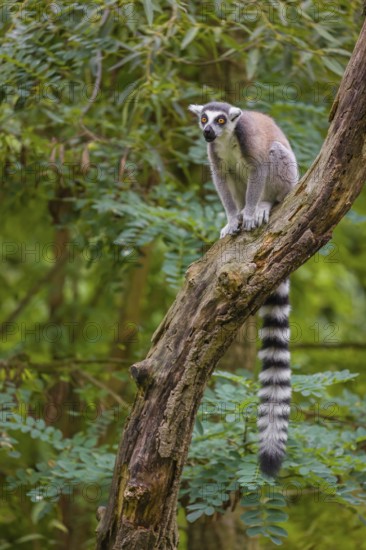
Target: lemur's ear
196, 109
234, 113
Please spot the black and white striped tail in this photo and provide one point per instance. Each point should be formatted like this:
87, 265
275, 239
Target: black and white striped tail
275, 378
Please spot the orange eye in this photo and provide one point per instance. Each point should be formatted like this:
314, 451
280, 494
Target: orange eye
204, 120
221, 121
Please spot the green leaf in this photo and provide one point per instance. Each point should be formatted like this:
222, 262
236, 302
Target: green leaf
274, 502
276, 530
189, 36
250, 499
325, 34
255, 520
58, 525
333, 65
195, 515
28, 538
38, 511
276, 515
275, 540
254, 531
149, 10
252, 63
199, 426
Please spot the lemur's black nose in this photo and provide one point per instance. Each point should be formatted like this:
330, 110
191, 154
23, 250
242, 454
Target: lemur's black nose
209, 133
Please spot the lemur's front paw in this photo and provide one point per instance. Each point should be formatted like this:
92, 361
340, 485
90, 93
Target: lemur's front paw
260, 216
262, 213
249, 222
231, 227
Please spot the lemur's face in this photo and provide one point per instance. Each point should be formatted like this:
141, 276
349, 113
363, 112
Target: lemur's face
215, 123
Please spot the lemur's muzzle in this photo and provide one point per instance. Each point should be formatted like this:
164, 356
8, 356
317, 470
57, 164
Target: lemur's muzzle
209, 134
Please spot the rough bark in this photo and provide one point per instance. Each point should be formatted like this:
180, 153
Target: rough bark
221, 291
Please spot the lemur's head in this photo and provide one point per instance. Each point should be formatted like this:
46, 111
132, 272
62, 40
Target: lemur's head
216, 119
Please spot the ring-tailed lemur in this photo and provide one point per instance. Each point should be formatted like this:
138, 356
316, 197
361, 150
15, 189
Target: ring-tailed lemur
253, 167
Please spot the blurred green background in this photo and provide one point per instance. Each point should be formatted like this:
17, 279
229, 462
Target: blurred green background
106, 198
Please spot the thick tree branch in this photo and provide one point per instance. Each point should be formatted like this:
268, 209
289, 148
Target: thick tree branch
220, 292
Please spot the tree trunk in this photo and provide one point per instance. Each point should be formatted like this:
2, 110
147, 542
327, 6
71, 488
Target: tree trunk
220, 292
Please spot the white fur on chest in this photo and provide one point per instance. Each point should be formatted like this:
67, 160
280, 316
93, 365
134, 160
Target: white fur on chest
233, 168
228, 150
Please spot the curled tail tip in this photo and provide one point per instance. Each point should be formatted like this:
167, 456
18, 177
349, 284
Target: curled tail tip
270, 465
